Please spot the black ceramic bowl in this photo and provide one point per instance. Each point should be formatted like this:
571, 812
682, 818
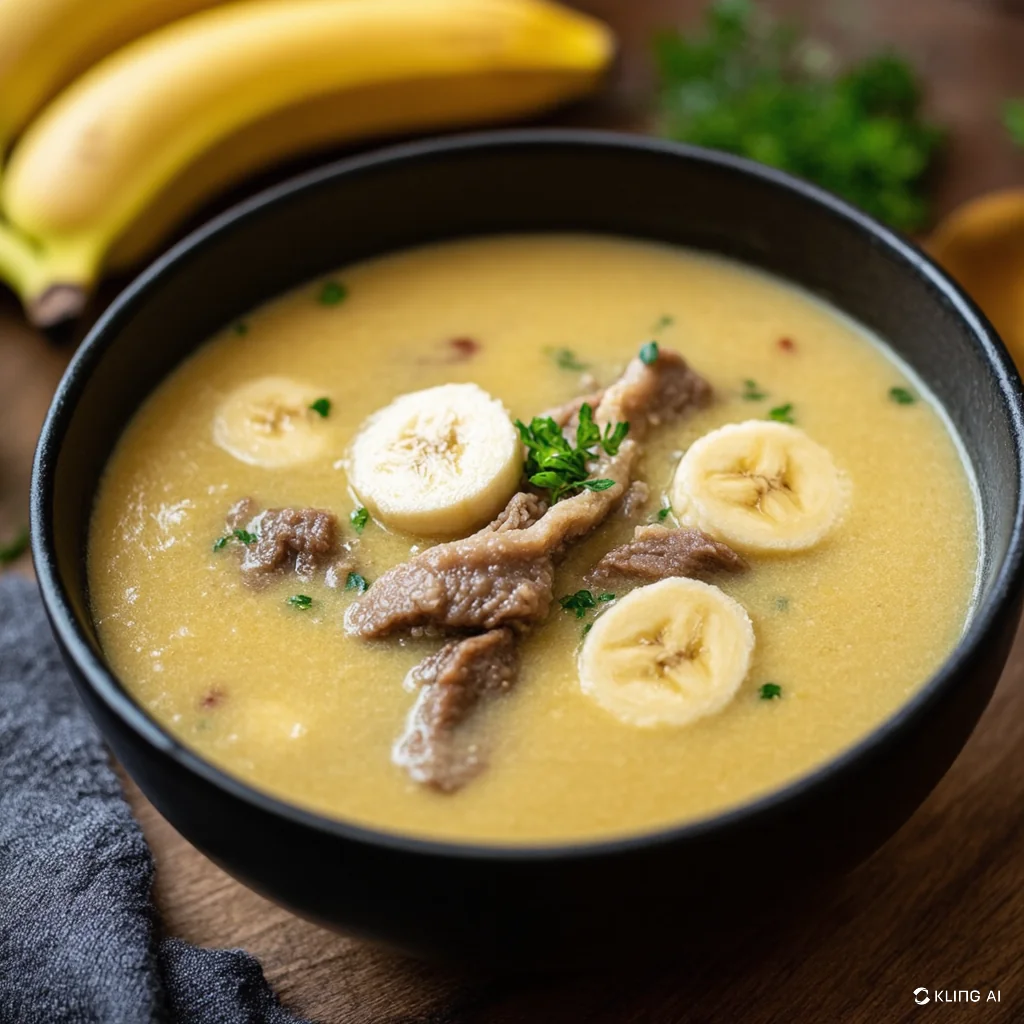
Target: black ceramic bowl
586, 901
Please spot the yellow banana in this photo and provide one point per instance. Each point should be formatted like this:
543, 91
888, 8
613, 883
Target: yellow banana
44, 44
196, 105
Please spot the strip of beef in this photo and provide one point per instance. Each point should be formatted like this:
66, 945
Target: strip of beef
302, 539
634, 500
434, 750
657, 552
504, 576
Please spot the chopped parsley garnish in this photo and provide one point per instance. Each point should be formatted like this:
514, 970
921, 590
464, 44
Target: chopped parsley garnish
663, 513
566, 359
751, 392
770, 691
1013, 118
356, 582
782, 604
14, 548
332, 293
322, 407
762, 88
359, 518
242, 536
587, 628
782, 413
649, 353
555, 465
241, 328
663, 322
582, 601
901, 396
301, 601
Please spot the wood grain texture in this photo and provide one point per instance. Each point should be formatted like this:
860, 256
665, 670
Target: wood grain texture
942, 905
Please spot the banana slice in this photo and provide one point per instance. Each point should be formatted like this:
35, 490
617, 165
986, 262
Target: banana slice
439, 462
667, 654
759, 486
268, 422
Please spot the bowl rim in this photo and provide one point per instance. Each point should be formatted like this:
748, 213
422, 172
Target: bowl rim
1008, 575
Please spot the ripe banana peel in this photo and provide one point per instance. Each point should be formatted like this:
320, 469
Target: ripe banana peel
45, 44
149, 133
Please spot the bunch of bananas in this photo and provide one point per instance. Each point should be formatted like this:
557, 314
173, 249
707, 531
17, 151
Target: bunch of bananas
119, 118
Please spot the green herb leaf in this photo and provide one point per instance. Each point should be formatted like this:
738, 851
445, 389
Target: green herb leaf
1013, 118
14, 548
241, 328
566, 359
559, 467
221, 542
649, 353
901, 396
322, 407
604, 598
332, 293
245, 537
751, 392
752, 85
579, 603
782, 413
662, 322
356, 582
300, 601
587, 628
359, 518
662, 514
770, 691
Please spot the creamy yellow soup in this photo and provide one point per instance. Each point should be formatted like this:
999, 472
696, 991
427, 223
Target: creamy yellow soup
285, 699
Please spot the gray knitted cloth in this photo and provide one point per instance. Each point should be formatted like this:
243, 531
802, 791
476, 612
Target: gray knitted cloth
78, 933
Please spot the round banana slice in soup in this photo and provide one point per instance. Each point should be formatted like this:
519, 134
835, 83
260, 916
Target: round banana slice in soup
271, 422
759, 487
439, 462
667, 654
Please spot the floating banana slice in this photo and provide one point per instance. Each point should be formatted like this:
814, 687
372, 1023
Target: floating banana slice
269, 422
759, 486
667, 654
439, 462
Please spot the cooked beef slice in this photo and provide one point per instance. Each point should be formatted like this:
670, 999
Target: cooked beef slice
523, 510
504, 574
657, 552
645, 395
300, 538
634, 500
436, 748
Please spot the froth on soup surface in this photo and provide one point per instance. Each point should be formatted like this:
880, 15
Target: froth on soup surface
284, 698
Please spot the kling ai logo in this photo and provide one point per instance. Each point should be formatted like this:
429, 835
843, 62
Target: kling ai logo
921, 996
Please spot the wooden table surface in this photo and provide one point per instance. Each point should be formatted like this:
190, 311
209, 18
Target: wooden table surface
941, 906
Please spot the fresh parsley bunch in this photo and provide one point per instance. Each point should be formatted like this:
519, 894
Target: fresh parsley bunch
558, 467
755, 87
1013, 118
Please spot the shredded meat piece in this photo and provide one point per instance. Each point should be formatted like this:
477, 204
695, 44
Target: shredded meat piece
656, 552
503, 575
435, 748
634, 500
298, 538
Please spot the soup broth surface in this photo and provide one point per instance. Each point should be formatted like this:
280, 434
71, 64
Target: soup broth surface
285, 699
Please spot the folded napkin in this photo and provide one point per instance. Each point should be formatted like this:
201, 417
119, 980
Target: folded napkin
78, 933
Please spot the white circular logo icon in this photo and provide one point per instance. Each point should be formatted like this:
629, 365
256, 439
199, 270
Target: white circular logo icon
921, 996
